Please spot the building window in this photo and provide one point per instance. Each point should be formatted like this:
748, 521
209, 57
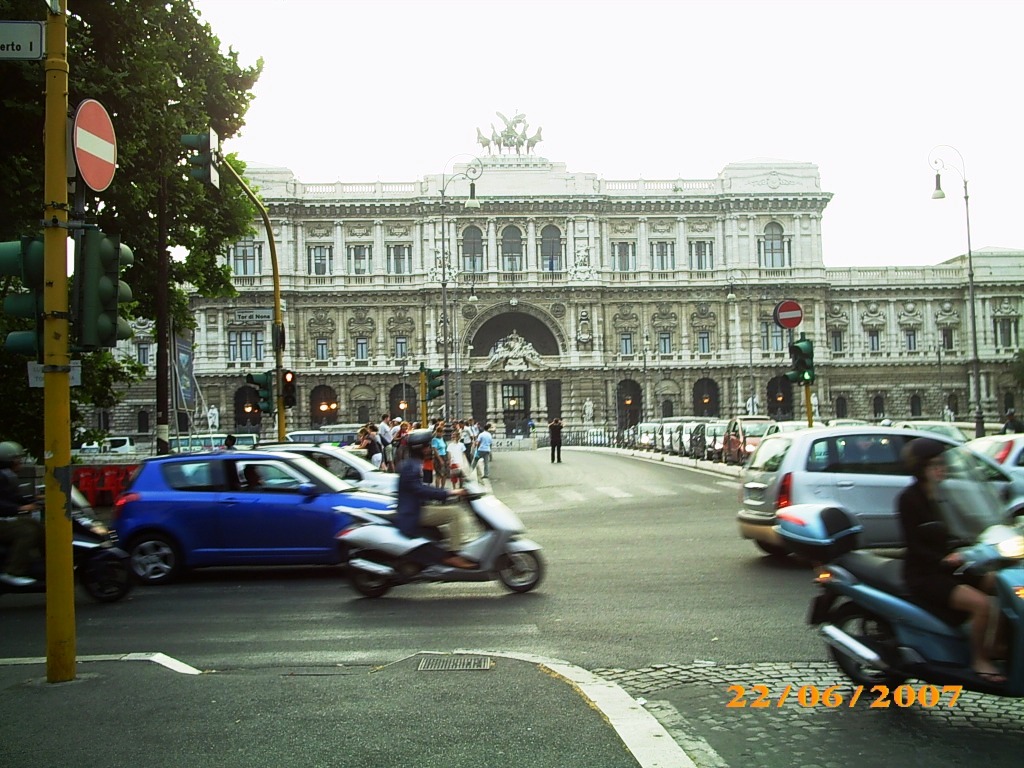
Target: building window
1006, 332
401, 347
663, 256
142, 352
664, 342
836, 338
551, 249
915, 405
704, 342
362, 348
322, 348
103, 420
626, 344
624, 257
320, 260
360, 259
511, 250
702, 255
143, 422
774, 248
874, 341
841, 408
472, 249
400, 259
773, 338
245, 346
246, 258
878, 406
911, 337
947, 339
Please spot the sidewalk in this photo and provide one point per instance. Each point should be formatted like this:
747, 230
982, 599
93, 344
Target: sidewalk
473, 709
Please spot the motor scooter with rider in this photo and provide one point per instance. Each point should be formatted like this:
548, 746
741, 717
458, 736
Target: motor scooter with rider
881, 634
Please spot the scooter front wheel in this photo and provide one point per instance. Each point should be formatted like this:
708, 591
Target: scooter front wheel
520, 571
872, 631
106, 581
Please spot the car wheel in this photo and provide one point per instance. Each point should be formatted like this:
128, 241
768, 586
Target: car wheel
155, 559
774, 550
873, 632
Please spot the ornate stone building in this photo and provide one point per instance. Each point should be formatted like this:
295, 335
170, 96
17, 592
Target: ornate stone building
603, 302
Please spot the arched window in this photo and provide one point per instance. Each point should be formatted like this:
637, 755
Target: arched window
878, 406
774, 247
666, 409
472, 249
143, 423
511, 250
551, 249
915, 405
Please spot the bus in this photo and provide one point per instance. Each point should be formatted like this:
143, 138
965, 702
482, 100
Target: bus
341, 435
210, 442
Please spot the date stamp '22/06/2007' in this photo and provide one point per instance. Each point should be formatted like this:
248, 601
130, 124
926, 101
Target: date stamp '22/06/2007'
832, 697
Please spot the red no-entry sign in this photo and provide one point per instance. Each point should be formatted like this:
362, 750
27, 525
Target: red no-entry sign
95, 145
788, 314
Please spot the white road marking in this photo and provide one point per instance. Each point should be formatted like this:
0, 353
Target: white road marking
615, 493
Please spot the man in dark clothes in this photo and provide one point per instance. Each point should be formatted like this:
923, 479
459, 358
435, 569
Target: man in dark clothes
555, 431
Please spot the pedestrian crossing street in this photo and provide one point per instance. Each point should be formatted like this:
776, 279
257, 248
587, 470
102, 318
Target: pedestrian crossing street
521, 499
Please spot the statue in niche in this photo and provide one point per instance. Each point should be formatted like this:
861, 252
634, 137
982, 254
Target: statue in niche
588, 411
213, 417
514, 353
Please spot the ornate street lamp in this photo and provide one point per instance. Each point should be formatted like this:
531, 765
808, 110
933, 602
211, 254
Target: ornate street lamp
939, 165
739, 276
472, 172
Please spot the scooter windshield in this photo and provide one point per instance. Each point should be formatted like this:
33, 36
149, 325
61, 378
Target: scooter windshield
972, 497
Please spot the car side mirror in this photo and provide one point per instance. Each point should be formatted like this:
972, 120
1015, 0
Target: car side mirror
308, 489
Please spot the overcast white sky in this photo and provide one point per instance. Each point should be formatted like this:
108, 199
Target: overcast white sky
391, 89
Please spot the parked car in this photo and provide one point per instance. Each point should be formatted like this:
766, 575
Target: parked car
742, 435
1006, 450
789, 426
709, 440
848, 423
857, 469
944, 428
343, 463
649, 435
206, 509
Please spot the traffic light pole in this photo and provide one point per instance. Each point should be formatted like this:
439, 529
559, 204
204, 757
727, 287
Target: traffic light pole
278, 330
60, 585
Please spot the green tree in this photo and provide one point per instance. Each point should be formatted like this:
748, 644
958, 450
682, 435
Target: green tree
160, 72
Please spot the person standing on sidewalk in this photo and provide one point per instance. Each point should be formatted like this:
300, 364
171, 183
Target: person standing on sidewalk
555, 433
482, 450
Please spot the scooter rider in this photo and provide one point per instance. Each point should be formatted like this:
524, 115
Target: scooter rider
412, 492
931, 560
22, 534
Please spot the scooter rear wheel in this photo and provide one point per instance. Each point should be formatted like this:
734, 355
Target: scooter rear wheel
370, 584
872, 631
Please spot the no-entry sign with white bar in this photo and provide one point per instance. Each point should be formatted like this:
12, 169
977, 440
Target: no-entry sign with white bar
788, 314
95, 145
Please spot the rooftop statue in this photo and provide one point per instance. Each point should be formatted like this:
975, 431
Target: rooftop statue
514, 136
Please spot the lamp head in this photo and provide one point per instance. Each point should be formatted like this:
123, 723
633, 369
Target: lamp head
472, 202
938, 194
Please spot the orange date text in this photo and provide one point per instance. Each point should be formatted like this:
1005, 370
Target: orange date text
835, 696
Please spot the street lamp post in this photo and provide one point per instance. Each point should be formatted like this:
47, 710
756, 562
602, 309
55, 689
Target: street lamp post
734, 276
472, 172
939, 165
645, 409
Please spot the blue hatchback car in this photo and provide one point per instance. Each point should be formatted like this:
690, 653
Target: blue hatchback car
234, 508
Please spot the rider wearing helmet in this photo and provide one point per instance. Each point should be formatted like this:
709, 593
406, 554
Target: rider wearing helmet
931, 559
412, 492
22, 534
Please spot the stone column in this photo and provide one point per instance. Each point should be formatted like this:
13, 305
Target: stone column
531, 247
643, 261
379, 254
493, 257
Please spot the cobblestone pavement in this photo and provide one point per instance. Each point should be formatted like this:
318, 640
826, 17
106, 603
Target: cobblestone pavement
816, 726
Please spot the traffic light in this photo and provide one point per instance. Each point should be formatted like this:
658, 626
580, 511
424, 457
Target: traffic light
288, 389
802, 354
98, 289
435, 383
206, 155
24, 259
264, 383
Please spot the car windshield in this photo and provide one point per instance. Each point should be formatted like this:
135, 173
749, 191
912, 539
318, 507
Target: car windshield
325, 477
969, 496
755, 428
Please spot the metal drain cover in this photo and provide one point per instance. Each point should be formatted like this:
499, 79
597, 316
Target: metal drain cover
454, 663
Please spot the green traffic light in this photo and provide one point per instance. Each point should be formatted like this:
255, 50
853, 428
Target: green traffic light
24, 259
206, 155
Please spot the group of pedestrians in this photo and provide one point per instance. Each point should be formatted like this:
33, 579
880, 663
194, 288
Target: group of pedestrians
444, 460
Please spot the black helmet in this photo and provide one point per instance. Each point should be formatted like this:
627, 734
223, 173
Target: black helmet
419, 438
919, 451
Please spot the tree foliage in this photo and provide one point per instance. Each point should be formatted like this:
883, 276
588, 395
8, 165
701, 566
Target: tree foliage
159, 71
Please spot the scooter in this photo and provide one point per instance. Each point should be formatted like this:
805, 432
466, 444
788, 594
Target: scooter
379, 555
877, 636
100, 566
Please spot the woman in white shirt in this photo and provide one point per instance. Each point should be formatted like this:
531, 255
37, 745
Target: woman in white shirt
456, 458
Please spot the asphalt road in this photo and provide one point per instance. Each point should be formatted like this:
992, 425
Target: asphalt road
648, 585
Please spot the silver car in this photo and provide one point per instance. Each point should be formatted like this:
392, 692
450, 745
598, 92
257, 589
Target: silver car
857, 469
345, 464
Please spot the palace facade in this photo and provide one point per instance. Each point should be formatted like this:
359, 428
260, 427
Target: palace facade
563, 294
